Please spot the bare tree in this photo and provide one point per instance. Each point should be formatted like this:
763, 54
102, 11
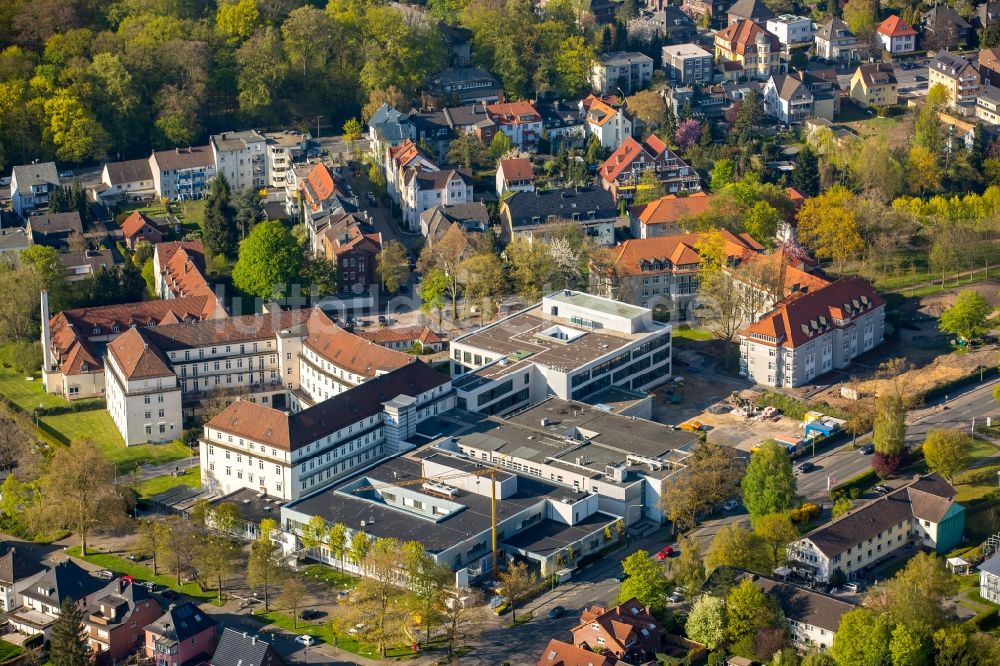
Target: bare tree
464, 617
516, 581
719, 307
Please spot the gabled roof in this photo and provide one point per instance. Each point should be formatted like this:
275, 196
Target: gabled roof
950, 65
124, 597
628, 620
318, 186
834, 28
129, 171
652, 149
181, 622
942, 16
184, 158
990, 58
788, 86
557, 653
385, 336
745, 32
242, 649
133, 224
406, 153
182, 268
511, 113
927, 497
523, 207
16, 565
751, 9
348, 351
516, 169
599, 111
136, 358
42, 173
64, 580
676, 251
672, 208
55, 223
893, 26
877, 74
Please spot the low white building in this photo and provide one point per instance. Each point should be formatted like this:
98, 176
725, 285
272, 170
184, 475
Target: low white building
792, 30
813, 617
515, 175
989, 579
130, 180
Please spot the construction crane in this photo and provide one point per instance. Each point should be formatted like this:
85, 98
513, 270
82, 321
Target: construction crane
489, 471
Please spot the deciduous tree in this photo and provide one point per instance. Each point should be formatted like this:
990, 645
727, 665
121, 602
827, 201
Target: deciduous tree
706, 623
393, 265
862, 638
719, 308
648, 188
428, 586
265, 569
270, 260
736, 546
769, 484
829, 225
515, 583
712, 476
216, 557
749, 611
776, 531
968, 317
947, 451
646, 579
292, 598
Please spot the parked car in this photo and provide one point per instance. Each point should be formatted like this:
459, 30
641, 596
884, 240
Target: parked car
383, 320
665, 552
620, 577
556, 612
310, 614
730, 505
852, 587
882, 488
107, 574
66, 174
304, 639
5, 181
807, 467
675, 598
867, 449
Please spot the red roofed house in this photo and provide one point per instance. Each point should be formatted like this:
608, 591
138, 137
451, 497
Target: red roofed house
316, 190
621, 172
663, 216
353, 252
810, 333
557, 653
515, 175
627, 631
660, 272
179, 270
748, 44
896, 36
405, 338
137, 227
606, 119
518, 120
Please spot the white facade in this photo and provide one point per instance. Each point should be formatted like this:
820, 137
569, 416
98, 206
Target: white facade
242, 158
794, 108
613, 131
989, 580
791, 30
629, 71
422, 191
144, 410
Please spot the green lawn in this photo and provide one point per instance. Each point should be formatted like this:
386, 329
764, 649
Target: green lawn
9, 650
159, 484
190, 213
140, 571
697, 334
26, 395
337, 580
323, 631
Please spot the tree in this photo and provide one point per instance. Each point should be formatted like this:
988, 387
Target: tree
219, 227
69, 638
573, 59
179, 549
515, 583
291, 599
776, 531
688, 133
73, 129
482, 275
923, 174
841, 506
428, 585
649, 107
529, 266
151, 538
314, 532
862, 638
358, 549
805, 178
646, 579
688, 568
462, 616
216, 557
889, 434
719, 308
393, 265
915, 596
908, 647
336, 541
433, 288
467, 151
227, 517
353, 129
968, 318
500, 145
712, 476
372, 601
947, 451
648, 188
270, 260
79, 492
769, 484
706, 623
237, 19
829, 225
736, 546
246, 209
264, 568
861, 17
749, 611
723, 173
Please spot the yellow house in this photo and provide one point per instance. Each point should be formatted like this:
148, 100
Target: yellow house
874, 85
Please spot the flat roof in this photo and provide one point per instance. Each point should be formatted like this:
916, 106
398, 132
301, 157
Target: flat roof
616, 398
605, 305
337, 505
254, 505
550, 536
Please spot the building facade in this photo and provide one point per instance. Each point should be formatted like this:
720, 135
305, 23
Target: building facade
242, 158
751, 47
688, 63
622, 173
628, 71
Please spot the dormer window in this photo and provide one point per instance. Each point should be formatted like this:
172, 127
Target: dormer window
115, 328
97, 330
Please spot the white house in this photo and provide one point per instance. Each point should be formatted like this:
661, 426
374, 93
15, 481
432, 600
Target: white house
131, 179
183, 173
896, 36
515, 175
30, 185
242, 158
792, 30
608, 123
989, 579
422, 190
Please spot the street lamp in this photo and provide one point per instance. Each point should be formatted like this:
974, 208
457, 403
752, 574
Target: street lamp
317, 127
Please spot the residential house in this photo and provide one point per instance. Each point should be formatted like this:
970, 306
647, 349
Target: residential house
81, 265
13, 241
603, 11
387, 128
791, 30
754, 50
354, 253
131, 180
944, 29
401, 158
688, 63
405, 338
474, 118
662, 272
137, 227
663, 216
283, 149
458, 43
988, 105
557, 653
183, 635
114, 621
673, 25
813, 333
875, 85
989, 66
628, 631
423, 190
986, 15
179, 271
958, 77
466, 84
515, 175
183, 173
796, 97
319, 193
835, 41
606, 120
470, 218
242, 649
896, 36
923, 513
520, 121
989, 579
242, 158
44, 597
18, 569
749, 10
715, 10
621, 174
531, 215
563, 122
433, 128
30, 186
625, 71
53, 229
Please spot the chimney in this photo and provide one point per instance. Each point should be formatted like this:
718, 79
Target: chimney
46, 333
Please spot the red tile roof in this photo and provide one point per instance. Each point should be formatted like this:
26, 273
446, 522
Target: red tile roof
134, 223
679, 250
622, 622
798, 320
672, 208
385, 336
557, 653
737, 36
599, 111
516, 169
136, 358
893, 26
348, 351
318, 186
405, 153
652, 149
182, 267
513, 113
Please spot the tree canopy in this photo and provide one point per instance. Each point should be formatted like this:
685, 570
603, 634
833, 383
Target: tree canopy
270, 260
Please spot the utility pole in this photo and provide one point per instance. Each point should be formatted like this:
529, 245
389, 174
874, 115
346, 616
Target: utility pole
317, 127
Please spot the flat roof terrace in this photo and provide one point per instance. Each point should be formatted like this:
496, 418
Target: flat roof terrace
598, 304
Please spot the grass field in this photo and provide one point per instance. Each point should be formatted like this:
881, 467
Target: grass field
696, 334
190, 213
977, 491
140, 571
155, 486
8, 651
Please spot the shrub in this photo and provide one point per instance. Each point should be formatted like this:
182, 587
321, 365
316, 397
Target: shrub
886, 465
985, 620
854, 492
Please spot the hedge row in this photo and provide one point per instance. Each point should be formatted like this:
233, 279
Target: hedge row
985, 620
796, 409
73, 407
862, 482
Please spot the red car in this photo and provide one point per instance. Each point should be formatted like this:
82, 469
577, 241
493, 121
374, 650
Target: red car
665, 553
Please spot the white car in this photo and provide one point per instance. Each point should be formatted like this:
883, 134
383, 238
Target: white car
357, 629
730, 505
304, 639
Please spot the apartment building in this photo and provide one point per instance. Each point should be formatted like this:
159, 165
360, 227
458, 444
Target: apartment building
875, 85
988, 105
423, 190
571, 345
791, 30
401, 158
30, 186
113, 623
621, 174
628, 71
42, 600
518, 120
663, 216
796, 97
531, 215
242, 158
755, 51
353, 252
290, 454
923, 512
688, 63
813, 333
183, 173
835, 41
606, 119
18, 569
283, 150
958, 77
179, 270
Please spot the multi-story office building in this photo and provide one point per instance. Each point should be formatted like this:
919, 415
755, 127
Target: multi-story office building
242, 158
688, 63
